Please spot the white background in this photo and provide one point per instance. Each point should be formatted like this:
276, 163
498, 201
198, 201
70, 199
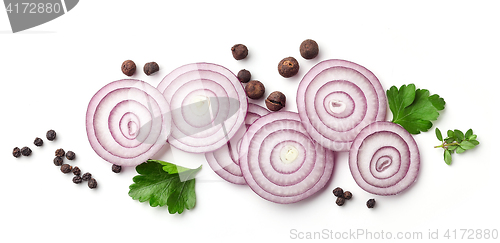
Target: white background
50, 72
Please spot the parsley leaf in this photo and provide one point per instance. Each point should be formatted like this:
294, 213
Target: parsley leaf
413, 108
165, 184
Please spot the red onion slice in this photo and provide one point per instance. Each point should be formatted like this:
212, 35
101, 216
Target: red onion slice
336, 99
208, 106
384, 158
224, 161
283, 164
127, 122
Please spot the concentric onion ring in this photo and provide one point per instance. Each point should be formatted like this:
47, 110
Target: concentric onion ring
127, 122
225, 161
346, 97
283, 164
384, 158
208, 106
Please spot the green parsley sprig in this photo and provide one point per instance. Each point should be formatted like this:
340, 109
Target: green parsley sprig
456, 141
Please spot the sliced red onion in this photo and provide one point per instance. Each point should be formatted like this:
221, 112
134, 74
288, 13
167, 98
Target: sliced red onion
224, 161
283, 164
384, 158
336, 99
208, 106
127, 122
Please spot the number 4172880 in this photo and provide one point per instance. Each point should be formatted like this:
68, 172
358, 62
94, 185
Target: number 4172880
33, 8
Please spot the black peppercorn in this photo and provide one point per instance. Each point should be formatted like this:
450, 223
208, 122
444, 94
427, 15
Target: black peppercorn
92, 183
58, 161
288, 67
275, 101
244, 76
255, 89
65, 168
370, 203
51, 135
76, 171
338, 192
16, 152
70, 155
340, 201
309, 49
347, 195
77, 179
151, 67
26, 151
60, 152
128, 67
239, 51
116, 168
38, 142
86, 176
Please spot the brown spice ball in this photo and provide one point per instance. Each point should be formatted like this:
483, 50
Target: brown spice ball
347, 195
340, 201
370, 203
309, 49
16, 152
244, 76
255, 89
128, 67
65, 168
26, 151
60, 152
51, 135
288, 67
239, 51
151, 67
116, 168
38, 142
275, 101
338, 192
58, 161
92, 183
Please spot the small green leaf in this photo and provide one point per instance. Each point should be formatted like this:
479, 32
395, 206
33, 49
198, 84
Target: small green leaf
439, 135
472, 137
452, 147
468, 134
467, 145
449, 140
451, 134
475, 142
447, 157
460, 150
459, 135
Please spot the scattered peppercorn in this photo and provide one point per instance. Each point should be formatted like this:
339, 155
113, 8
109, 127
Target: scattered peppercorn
70, 155
340, 201
244, 76
60, 152
239, 51
151, 67
26, 151
77, 179
347, 195
38, 142
92, 183
275, 101
76, 171
16, 152
370, 203
58, 161
65, 168
51, 135
309, 49
255, 89
338, 192
116, 168
288, 67
86, 176
128, 67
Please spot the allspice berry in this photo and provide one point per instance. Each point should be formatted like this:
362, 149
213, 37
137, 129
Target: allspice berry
151, 67
309, 49
255, 89
244, 76
128, 67
370, 203
288, 67
275, 101
340, 201
239, 51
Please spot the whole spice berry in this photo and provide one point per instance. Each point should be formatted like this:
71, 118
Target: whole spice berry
340, 201
38, 142
58, 161
128, 67
70, 155
16, 152
26, 151
92, 183
288, 67
370, 203
65, 168
239, 51
51, 135
77, 179
275, 101
309, 49
60, 152
338, 192
86, 176
116, 168
347, 195
255, 89
76, 171
244, 76
151, 67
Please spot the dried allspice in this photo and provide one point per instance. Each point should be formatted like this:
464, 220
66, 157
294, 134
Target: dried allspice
92, 183
16, 152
